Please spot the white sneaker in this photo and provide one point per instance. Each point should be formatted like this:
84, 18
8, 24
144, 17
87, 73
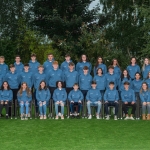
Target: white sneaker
115, 117
132, 118
126, 118
41, 116
90, 117
59, 114
107, 118
97, 117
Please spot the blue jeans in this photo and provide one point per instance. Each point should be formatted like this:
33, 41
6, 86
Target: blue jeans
89, 104
111, 103
42, 107
72, 106
22, 105
62, 108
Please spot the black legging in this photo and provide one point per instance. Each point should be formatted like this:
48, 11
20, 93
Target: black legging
4, 104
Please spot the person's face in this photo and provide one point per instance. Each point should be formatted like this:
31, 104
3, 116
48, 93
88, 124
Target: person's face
40, 69
99, 71
125, 73
75, 87
133, 60
12, 69
33, 58
137, 76
5, 85
100, 60
50, 57
55, 66
59, 85
24, 86
114, 62
144, 87
146, 61
68, 58
93, 86
26, 68
42, 85
83, 58
2, 60
126, 86
111, 86
71, 67
111, 70
85, 71
18, 59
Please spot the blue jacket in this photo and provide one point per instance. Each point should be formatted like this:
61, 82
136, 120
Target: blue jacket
117, 71
48, 66
101, 82
43, 95
111, 78
111, 95
1, 80
59, 95
37, 78
19, 68
53, 76
102, 66
3, 69
27, 77
145, 96
24, 97
71, 78
121, 83
128, 96
6, 95
136, 85
80, 66
93, 95
132, 70
75, 96
85, 81
33, 66
148, 82
13, 80
65, 66
145, 71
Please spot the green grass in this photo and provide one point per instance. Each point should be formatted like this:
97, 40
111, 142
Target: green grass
73, 134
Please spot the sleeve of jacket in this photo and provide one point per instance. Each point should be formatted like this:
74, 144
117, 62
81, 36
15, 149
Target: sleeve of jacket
69, 96
48, 95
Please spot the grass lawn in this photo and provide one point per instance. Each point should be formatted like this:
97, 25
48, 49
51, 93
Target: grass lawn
73, 134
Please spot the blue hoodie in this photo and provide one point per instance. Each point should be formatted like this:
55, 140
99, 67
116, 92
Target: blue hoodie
148, 82
48, 65
75, 96
132, 70
65, 66
24, 97
6, 95
145, 96
101, 82
93, 95
111, 78
145, 71
59, 95
111, 95
128, 95
117, 71
27, 77
43, 95
85, 81
1, 80
53, 76
37, 78
102, 66
3, 69
13, 80
71, 78
33, 66
80, 66
121, 83
19, 67
136, 85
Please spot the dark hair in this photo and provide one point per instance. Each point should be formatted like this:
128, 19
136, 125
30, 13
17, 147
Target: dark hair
50, 54
45, 88
33, 55
122, 75
85, 68
93, 82
99, 69
11, 66
26, 65
141, 90
81, 58
137, 73
132, 58
96, 65
117, 62
67, 55
110, 67
71, 64
2, 87
76, 84
17, 56
111, 83
62, 83
126, 83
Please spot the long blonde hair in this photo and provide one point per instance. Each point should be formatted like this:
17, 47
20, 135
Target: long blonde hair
143, 67
27, 89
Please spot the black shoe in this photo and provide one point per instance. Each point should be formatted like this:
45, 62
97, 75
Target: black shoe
78, 116
72, 116
7, 117
2, 115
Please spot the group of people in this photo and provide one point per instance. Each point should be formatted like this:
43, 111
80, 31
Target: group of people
74, 83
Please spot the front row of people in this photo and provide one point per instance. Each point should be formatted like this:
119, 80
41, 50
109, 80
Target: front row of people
75, 97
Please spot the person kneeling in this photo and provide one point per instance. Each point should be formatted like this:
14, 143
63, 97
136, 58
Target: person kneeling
43, 96
111, 99
75, 97
93, 98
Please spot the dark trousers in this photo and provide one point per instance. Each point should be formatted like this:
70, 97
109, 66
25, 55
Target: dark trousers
68, 89
75, 104
111, 103
6, 106
36, 103
84, 92
124, 107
